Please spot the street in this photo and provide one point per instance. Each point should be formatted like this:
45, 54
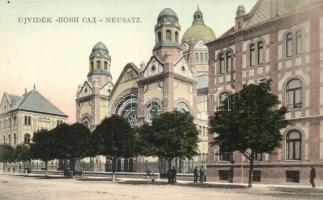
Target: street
32, 188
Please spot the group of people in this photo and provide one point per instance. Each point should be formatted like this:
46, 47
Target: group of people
199, 174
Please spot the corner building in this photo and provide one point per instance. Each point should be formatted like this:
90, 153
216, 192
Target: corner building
281, 40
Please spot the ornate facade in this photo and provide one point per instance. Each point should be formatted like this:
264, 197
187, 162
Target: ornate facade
281, 40
167, 82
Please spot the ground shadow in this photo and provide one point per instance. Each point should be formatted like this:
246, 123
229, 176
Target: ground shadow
196, 185
295, 193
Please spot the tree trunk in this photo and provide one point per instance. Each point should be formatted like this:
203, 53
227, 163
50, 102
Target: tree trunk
72, 165
250, 171
169, 170
46, 168
114, 168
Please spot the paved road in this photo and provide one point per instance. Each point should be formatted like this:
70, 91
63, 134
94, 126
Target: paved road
31, 188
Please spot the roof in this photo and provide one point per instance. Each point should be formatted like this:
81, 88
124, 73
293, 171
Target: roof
167, 12
198, 32
202, 81
13, 99
100, 46
33, 101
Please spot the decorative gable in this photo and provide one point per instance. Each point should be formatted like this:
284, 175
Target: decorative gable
182, 68
153, 67
85, 90
106, 89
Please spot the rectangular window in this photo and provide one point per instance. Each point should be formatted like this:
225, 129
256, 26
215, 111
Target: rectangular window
26, 121
256, 176
29, 121
201, 58
224, 175
197, 58
292, 176
258, 156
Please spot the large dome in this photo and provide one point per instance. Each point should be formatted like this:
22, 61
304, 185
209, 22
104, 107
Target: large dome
198, 30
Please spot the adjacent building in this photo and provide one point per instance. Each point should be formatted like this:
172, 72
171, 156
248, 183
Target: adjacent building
281, 40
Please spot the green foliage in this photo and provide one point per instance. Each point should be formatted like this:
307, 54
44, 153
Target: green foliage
253, 122
7, 153
115, 137
22, 153
72, 141
43, 146
146, 140
171, 135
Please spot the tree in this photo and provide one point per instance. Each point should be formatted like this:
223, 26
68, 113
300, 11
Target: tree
22, 154
73, 142
43, 146
7, 154
115, 138
172, 135
252, 123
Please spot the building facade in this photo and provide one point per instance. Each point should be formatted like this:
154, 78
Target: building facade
281, 40
22, 116
166, 82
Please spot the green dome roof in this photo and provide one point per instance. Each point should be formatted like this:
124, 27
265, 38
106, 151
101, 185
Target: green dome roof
198, 32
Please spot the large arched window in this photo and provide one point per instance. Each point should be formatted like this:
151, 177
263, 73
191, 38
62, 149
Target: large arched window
293, 143
260, 53
222, 63
289, 44
298, 42
182, 107
27, 139
168, 35
294, 94
252, 55
128, 109
9, 139
86, 122
152, 110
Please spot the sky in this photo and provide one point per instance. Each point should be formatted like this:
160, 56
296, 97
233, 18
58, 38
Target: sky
54, 56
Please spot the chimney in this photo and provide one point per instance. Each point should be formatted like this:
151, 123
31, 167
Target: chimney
34, 87
25, 90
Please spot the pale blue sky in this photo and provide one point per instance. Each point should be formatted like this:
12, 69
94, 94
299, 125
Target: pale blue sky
55, 56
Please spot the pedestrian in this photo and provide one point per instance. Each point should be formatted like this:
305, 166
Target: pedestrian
201, 174
312, 176
174, 173
169, 173
196, 174
148, 176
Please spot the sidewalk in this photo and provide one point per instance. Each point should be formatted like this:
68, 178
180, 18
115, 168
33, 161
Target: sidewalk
179, 182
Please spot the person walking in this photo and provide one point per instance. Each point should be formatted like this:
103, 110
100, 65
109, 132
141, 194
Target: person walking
201, 174
312, 176
196, 174
174, 173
